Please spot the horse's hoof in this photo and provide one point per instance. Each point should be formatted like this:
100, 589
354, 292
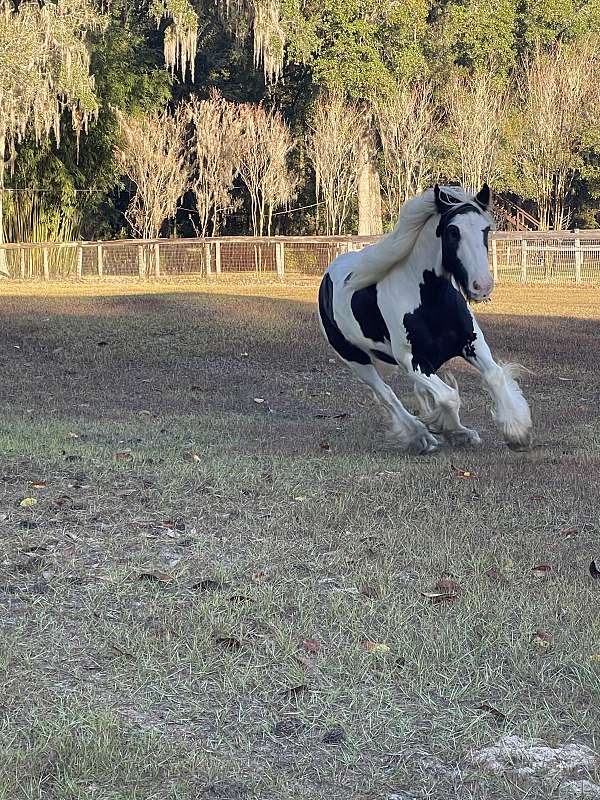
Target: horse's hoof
423, 445
519, 442
465, 438
519, 447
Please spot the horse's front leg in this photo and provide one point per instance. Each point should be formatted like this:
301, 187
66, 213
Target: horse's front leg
511, 411
439, 401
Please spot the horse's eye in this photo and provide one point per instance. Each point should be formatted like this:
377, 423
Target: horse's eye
453, 233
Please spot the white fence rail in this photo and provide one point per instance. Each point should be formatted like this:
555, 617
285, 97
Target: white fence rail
565, 257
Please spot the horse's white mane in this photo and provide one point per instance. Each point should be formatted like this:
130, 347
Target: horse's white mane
377, 259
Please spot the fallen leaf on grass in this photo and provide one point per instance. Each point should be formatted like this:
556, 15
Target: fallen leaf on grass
117, 651
206, 585
542, 640
462, 473
594, 571
448, 586
157, 577
325, 446
38, 485
123, 455
375, 647
311, 645
569, 533
192, 457
300, 499
259, 576
259, 400
228, 642
595, 657
541, 570
491, 710
27, 502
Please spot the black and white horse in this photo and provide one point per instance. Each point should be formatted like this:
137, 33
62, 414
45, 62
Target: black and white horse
401, 301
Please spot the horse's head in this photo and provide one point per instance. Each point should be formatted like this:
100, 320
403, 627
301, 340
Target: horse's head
463, 228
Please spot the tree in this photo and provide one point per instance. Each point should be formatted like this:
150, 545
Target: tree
153, 156
561, 101
44, 68
334, 148
407, 123
265, 143
216, 131
477, 108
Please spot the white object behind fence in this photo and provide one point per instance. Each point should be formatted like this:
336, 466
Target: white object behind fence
553, 257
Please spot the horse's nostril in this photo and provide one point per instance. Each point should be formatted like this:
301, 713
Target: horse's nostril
476, 286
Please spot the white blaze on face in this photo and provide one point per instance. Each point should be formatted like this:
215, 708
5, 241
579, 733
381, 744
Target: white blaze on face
472, 253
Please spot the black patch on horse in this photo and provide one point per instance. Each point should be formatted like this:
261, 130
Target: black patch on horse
486, 234
441, 327
336, 338
367, 314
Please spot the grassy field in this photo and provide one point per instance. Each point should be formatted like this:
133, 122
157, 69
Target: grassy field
220, 589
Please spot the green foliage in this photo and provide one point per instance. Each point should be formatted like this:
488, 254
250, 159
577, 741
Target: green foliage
360, 47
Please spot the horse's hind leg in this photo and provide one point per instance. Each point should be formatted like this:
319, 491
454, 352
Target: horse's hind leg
405, 429
440, 405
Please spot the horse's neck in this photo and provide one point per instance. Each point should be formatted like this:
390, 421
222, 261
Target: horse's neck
425, 255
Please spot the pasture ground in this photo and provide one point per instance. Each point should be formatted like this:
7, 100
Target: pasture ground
219, 598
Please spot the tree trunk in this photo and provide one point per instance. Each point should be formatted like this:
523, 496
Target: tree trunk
3, 259
369, 191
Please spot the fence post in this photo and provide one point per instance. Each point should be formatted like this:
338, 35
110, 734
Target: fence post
218, 257
140, 255
349, 247
524, 260
46, 263
578, 257
207, 258
79, 262
100, 261
280, 259
22, 263
495, 259
157, 260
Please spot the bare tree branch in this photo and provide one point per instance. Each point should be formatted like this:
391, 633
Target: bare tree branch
334, 149
407, 124
560, 93
264, 146
153, 156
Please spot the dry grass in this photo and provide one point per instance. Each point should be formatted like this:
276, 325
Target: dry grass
117, 686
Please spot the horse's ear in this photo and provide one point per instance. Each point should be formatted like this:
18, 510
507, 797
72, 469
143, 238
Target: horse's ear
438, 203
483, 196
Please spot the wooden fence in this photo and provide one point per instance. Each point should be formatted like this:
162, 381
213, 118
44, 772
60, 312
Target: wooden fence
516, 257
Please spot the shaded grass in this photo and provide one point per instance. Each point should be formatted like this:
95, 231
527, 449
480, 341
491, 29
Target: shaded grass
116, 686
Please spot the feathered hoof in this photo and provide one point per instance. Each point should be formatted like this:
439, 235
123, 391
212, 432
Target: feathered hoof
464, 438
420, 444
519, 442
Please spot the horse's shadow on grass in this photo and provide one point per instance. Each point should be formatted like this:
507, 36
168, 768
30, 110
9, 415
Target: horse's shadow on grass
196, 353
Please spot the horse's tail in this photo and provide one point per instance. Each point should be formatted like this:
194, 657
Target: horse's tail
373, 263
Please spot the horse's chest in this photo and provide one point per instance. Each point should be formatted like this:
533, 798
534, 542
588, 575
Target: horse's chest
441, 327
